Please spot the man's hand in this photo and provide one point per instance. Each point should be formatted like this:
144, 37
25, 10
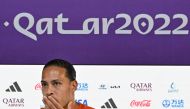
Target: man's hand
51, 103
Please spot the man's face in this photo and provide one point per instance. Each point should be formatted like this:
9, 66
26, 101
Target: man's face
57, 84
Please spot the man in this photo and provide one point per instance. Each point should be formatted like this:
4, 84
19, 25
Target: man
58, 86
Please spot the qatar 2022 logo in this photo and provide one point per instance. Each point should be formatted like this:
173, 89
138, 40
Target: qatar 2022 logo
142, 24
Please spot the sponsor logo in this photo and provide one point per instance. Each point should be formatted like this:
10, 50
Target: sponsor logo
14, 102
173, 103
102, 86
141, 86
82, 101
143, 103
110, 104
14, 88
38, 86
115, 87
172, 88
82, 87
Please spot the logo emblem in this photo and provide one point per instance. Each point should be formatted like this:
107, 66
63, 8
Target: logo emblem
109, 104
14, 88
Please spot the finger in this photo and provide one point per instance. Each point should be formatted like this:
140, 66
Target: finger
45, 105
55, 102
55, 98
48, 103
71, 105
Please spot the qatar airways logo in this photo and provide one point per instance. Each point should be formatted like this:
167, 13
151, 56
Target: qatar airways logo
14, 102
141, 86
143, 103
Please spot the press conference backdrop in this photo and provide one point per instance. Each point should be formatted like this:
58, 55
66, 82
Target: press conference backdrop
95, 31
95, 34
102, 87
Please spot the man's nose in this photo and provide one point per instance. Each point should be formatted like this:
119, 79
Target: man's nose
49, 90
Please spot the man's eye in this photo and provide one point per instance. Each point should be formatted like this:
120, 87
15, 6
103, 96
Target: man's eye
56, 83
44, 84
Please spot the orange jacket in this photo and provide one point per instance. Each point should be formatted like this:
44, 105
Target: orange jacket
82, 106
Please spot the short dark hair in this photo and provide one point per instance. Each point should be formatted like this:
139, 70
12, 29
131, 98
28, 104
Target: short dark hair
70, 70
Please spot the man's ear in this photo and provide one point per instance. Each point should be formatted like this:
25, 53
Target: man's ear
74, 85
